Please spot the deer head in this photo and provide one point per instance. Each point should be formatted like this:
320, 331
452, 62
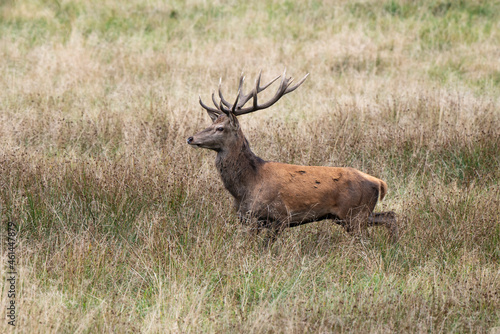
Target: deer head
225, 129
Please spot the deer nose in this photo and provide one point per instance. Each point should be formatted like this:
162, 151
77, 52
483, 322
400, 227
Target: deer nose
190, 140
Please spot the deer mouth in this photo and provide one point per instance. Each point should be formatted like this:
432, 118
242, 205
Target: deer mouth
191, 143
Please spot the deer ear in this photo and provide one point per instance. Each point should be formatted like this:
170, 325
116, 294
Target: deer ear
212, 115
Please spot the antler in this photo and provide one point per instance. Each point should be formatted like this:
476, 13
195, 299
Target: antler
237, 107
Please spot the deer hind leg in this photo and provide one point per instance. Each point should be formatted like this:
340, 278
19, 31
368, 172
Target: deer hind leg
387, 219
358, 217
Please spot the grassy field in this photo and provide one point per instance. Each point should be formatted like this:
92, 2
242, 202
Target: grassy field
122, 227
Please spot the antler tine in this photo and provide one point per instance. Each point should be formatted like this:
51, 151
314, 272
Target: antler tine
240, 87
216, 104
291, 89
268, 84
236, 101
284, 84
244, 97
257, 81
222, 99
256, 90
219, 105
216, 111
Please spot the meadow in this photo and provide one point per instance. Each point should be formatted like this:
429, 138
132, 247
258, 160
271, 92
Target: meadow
124, 228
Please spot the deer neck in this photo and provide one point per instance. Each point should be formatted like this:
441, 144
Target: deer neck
238, 167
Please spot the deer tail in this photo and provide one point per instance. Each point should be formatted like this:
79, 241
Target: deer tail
383, 189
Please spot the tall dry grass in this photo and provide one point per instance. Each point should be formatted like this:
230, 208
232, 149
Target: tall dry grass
123, 228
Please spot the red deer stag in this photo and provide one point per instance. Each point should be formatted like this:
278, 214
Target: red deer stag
277, 195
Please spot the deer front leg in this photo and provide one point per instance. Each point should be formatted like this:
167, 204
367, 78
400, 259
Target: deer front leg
251, 223
277, 228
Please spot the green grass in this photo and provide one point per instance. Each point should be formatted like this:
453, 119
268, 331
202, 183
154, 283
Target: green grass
124, 228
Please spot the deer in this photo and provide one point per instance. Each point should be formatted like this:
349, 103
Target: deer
276, 195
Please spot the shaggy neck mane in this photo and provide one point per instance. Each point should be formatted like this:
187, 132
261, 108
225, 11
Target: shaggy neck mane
238, 167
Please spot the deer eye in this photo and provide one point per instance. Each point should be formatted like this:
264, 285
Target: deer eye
220, 128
